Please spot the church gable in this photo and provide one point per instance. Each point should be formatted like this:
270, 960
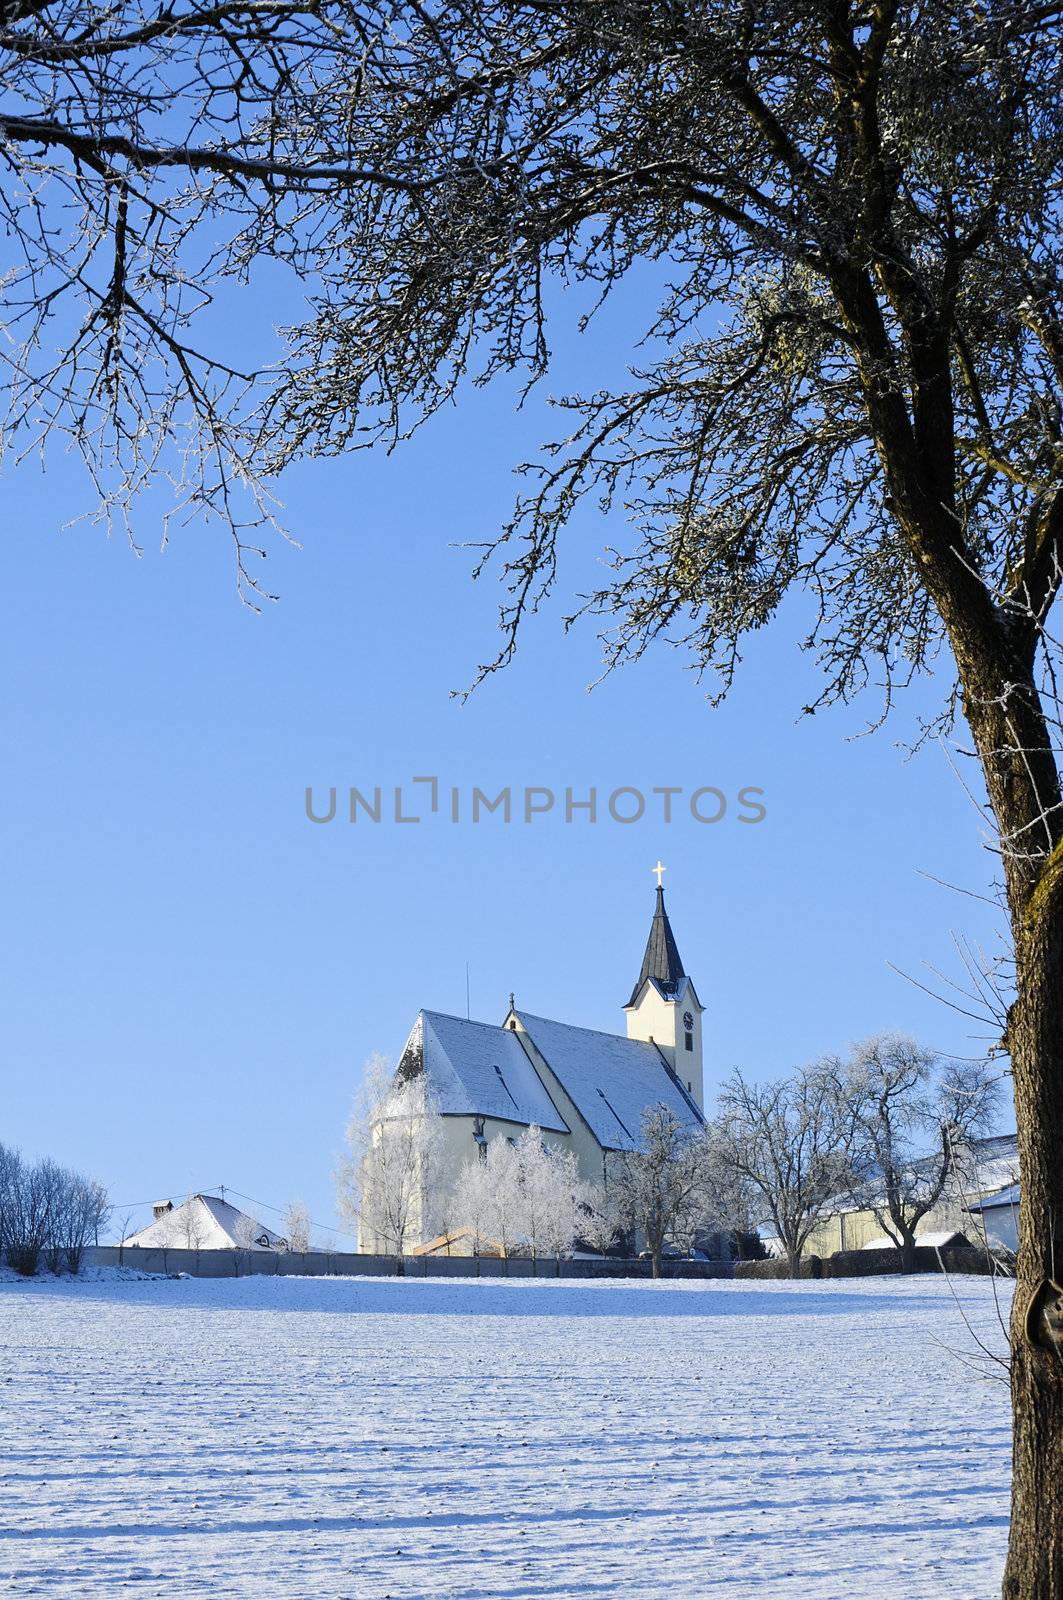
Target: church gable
609, 1079
479, 1069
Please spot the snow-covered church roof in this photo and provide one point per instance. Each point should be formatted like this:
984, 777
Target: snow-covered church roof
478, 1069
206, 1222
609, 1079
482, 1069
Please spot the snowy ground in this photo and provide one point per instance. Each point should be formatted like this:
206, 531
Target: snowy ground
318, 1438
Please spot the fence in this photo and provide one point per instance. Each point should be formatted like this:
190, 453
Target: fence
346, 1264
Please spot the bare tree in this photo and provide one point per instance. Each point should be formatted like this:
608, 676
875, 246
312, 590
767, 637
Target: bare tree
387, 1182
903, 1100
297, 1225
490, 1200
789, 1140
524, 1195
10, 1179
85, 1211
661, 1189
30, 1198
186, 1228
600, 1227
551, 1195
122, 1230
504, 1204
470, 1205
249, 1232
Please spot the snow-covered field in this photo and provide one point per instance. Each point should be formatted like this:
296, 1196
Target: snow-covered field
319, 1438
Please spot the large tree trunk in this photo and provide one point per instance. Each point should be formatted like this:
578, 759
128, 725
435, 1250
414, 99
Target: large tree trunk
1035, 1032
907, 1252
995, 646
1015, 745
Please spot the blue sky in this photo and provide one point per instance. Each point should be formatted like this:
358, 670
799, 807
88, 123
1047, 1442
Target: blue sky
194, 975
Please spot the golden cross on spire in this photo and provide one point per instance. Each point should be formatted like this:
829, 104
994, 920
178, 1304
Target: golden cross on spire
660, 871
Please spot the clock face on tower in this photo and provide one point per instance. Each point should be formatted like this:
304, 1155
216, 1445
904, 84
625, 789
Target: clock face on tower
688, 1020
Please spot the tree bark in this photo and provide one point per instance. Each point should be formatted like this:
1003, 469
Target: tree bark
907, 1253
1014, 743
1035, 1550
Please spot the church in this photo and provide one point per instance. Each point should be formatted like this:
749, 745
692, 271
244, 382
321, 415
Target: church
584, 1089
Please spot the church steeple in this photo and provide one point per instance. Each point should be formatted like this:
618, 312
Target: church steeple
664, 1008
662, 961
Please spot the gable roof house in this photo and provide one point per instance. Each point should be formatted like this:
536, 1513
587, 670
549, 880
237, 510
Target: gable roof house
585, 1089
203, 1222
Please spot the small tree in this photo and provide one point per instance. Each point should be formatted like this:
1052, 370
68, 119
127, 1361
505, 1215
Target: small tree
904, 1101
185, 1228
502, 1190
470, 1205
297, 1226
788, 1140
59, 1202
600, 1226
29, 1201
248, 1231
551, 1197
387, 1181
10, 1177
85, 1213
662, 1188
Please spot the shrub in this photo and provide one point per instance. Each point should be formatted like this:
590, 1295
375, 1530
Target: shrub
46, 1210
778, 1267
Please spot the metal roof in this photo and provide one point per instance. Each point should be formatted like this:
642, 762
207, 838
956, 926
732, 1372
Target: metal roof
661, 962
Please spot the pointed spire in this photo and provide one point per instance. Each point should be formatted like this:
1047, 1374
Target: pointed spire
661, 961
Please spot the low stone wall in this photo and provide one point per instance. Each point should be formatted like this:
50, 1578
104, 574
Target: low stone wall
335, 1263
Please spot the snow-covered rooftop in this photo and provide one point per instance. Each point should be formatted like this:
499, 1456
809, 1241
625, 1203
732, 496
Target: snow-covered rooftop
610, 1080
996, 1162
480, 1069
1008, 1198
206, 1222
932, 1241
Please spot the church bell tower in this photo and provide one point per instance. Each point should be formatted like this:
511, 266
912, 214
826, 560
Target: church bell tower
664, 1007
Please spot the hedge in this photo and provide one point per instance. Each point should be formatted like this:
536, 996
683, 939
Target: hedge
779, 1267
882, 1263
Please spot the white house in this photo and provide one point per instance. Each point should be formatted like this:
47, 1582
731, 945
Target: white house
204, 1222
998, 1215
585, 1089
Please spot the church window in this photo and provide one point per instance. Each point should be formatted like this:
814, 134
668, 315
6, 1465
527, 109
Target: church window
689, 1040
